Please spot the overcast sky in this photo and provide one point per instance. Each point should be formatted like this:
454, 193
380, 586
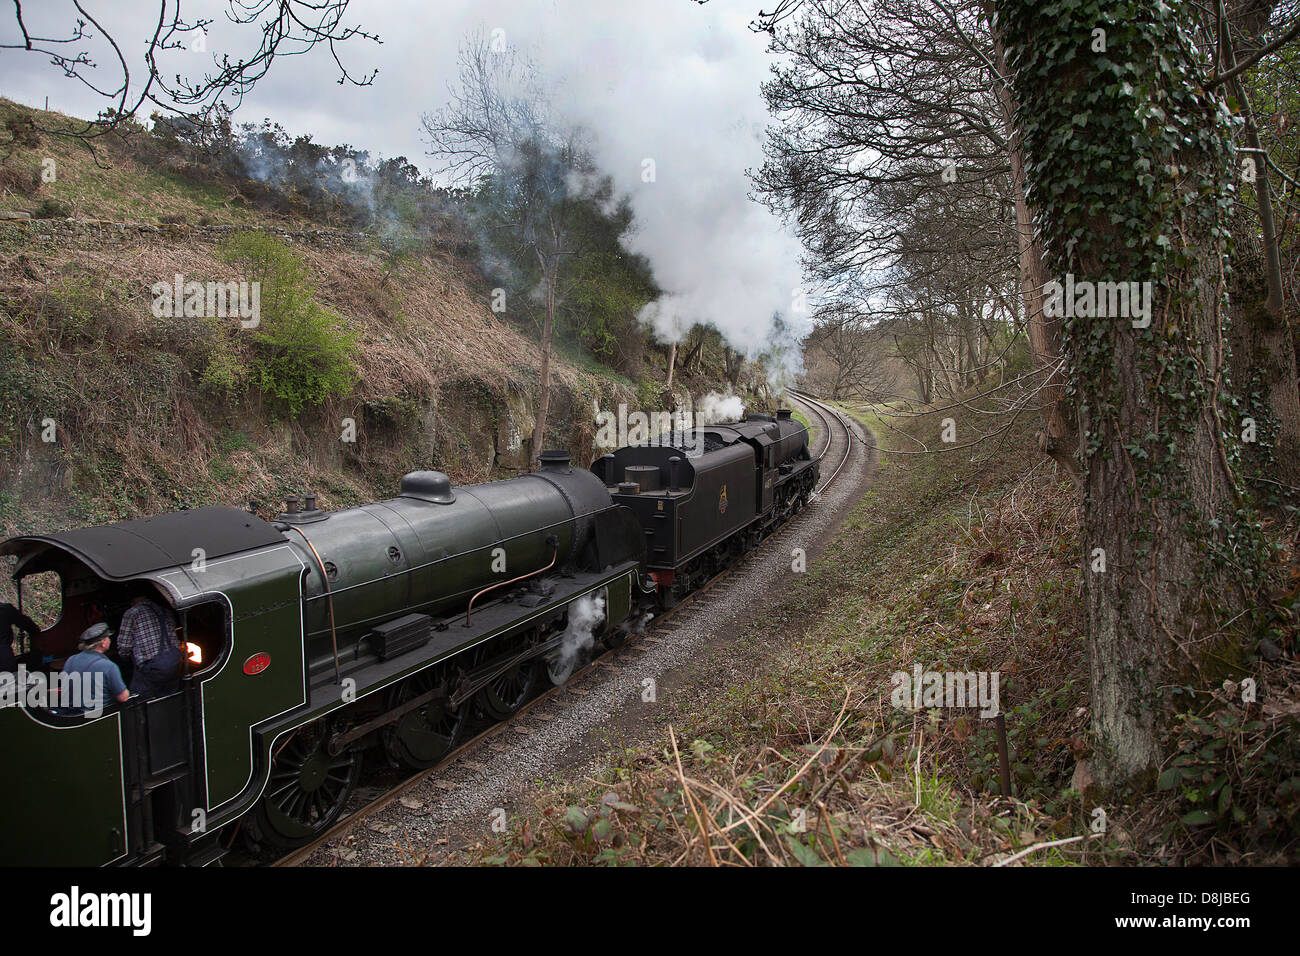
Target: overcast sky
662, 80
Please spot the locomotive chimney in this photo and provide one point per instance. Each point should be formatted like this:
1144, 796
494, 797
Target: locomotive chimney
309, 502
783, 413
554, 458
674, 473
291, 505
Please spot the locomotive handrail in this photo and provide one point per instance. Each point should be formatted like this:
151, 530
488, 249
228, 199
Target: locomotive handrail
555, 555
329, 595
460, 554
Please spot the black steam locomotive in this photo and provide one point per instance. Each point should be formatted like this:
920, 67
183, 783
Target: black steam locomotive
706, 497
320, 636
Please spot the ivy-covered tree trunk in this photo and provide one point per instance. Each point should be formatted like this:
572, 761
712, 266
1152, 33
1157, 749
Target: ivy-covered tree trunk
1263, 346
1130, 169
1059, 437
1264, 367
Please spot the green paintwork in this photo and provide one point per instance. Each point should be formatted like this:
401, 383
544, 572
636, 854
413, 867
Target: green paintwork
263, 588
63, 797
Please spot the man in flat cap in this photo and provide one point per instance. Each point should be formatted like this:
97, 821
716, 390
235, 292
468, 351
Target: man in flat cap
91, 660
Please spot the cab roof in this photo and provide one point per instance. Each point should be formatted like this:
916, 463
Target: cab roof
131, 548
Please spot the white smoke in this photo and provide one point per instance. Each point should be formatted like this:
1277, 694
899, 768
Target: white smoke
672, 99
717, 407
669, 96
669, 92
585, 615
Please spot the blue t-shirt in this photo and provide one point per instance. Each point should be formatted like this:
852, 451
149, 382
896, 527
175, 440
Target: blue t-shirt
90, 662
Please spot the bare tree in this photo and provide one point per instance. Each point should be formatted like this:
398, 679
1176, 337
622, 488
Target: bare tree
846, 356
899, 169
287, 28
497, 137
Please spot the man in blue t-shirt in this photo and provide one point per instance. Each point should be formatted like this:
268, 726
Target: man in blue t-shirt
91, 660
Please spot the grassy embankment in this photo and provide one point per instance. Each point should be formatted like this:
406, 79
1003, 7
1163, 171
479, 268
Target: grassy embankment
947, 562
153, 414
964, 560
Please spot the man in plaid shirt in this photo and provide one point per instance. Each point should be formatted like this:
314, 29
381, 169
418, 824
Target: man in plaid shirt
148, 634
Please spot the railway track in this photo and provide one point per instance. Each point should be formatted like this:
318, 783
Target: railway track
826, 413
838, 433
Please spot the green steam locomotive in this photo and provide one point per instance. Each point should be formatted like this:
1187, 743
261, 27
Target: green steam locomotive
321, 636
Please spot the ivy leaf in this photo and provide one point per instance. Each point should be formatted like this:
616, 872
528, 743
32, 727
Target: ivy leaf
1225, 799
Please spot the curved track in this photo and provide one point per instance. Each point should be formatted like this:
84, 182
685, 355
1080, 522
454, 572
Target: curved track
837, 442
826, 413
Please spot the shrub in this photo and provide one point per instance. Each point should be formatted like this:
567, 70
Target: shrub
224, 375
21, 178
302, 353
85, 309
22, 134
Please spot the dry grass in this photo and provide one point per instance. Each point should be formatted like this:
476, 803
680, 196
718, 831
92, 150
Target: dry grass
103, 181
138, 431
946, 564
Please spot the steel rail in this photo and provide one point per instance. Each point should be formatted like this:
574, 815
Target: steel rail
822, 409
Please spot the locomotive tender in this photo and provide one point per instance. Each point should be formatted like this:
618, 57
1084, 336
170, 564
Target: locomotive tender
704, 499
321, 636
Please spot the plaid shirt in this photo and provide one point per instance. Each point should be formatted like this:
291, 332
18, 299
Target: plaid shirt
144, 628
